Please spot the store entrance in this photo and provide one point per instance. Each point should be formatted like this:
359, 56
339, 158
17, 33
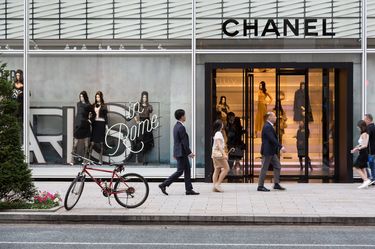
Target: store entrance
305, 98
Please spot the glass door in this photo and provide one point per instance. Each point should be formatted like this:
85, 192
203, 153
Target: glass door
292, 126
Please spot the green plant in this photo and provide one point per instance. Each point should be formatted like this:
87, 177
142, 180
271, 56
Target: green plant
15, 176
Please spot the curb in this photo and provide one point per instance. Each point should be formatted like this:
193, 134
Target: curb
54, 209
183, 219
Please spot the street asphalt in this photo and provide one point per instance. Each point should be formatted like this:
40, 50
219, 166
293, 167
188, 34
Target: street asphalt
164, 237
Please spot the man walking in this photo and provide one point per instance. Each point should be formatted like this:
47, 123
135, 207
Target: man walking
269, 150
181, 152
371, 145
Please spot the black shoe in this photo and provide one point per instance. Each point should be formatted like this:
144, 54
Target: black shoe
278, 187
263, 189
191, 192
163, 189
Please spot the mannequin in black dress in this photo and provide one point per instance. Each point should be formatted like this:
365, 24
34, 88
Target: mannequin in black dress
147, 137
299, 107
99, 121
82, 127
18, 93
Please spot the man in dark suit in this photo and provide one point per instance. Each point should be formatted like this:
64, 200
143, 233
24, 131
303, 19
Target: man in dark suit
181, 152
269, 150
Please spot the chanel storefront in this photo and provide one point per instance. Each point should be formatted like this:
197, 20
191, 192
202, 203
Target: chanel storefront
309, 62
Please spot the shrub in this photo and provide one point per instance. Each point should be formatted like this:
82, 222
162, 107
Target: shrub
15, 176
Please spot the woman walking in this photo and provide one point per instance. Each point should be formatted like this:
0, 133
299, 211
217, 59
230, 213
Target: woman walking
219, 156
360, 163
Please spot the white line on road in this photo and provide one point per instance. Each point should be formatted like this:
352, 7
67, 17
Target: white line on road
183, 244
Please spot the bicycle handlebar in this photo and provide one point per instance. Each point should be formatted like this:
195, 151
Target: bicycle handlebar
93, 162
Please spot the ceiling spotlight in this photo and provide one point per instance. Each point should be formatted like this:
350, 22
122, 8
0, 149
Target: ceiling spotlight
83, 47
67, 47
109, 47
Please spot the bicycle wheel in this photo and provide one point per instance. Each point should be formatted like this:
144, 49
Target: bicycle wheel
131, 190
74, 192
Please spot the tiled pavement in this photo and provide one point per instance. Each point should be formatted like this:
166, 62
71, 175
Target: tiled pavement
239, 199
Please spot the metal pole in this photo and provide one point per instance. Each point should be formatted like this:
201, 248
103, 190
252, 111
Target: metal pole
364, 56
193, 82
26, 81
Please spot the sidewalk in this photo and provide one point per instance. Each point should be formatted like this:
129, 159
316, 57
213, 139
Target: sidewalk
239, 204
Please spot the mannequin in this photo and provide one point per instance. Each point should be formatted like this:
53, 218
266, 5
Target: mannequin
18, 93
299, 105
82, 127
301, 146
99, 123
262, 106
223, 109
282, 118
147, 137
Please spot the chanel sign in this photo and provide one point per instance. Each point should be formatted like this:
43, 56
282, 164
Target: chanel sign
284, 27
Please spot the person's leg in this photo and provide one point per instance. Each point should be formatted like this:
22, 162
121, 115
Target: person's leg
223, 172
360, 173
300, 162
87, 145
276, 168
364, 173
175, 175
265, 164
309, 163
101, 153
372, 169
215, 175
90, 149
74, 150
187, 174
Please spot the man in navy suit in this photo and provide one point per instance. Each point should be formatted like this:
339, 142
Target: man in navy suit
269, 151
181, 152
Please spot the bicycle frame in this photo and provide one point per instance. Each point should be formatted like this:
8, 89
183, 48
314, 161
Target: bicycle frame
106, 189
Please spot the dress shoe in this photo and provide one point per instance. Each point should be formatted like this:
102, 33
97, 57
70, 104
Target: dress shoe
278, 187
163, 189
191, 192
263, 189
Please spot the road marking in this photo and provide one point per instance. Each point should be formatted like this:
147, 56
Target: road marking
184, 244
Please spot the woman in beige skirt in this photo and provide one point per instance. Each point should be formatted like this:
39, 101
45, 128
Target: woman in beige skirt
219, 156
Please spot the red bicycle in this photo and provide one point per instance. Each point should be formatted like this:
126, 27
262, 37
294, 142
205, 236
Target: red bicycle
130, 190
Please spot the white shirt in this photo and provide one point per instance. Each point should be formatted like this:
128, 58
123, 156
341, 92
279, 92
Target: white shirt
218, 137
363, 140
97, 114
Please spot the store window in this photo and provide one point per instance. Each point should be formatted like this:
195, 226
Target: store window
108, 108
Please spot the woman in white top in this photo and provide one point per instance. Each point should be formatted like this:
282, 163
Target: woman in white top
219, 156
360, 163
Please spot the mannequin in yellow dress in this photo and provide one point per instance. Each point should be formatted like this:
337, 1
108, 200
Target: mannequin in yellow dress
262, 106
